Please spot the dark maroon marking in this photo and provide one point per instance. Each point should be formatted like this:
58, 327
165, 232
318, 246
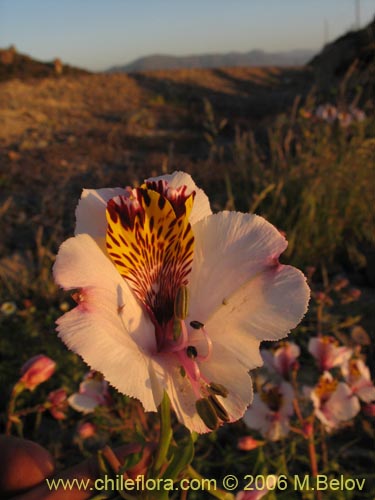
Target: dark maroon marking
168, 233
152, 220
189, 243
135, 248
186, 232
113, 254
160, 230
152, 240
114, 239
146, 197
172, 223
161, 202
108, 245
123, 240
119, 262
110, 229
134, 257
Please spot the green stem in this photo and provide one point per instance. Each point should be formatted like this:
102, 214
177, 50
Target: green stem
217, 493
165, 433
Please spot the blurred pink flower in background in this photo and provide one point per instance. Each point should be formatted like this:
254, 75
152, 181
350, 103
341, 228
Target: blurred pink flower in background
327, 112
37, 370
327, 352
271, 411
357, 375
93, 392
283, 359
333, 401
59, 403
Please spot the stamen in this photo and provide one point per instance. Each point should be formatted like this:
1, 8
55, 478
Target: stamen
217, 390
181, 302
207, 413
220, 411
209, 346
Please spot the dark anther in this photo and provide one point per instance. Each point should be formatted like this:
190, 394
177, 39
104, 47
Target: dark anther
191, 352
197, 325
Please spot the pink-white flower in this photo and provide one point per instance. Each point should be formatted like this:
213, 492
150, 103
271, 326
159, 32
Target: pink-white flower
358, 377
136, 254
327, 352
283, 359
93, 392
333, 401
37, 370
59, 402
327, 112
271, 411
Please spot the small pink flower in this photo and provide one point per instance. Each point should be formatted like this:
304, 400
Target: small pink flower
333, 401
247, 443
93, 392
271, 411
86, 430
59, 402
328, 353
283, 360
358, 377
327, 112
36, 371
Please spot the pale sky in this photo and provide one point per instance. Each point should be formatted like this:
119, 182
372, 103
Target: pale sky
97, 34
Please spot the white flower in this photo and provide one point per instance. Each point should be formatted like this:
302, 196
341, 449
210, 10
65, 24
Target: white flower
357, 375
327, 352
135, 254
271, 411
333, 401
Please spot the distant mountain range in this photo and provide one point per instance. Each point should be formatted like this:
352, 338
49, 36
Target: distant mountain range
231, 59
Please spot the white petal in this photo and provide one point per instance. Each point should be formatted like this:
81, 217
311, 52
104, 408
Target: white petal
236, 287
366, 392
343, 405
201, 207
257, 416
90, 212
108, 329
82, 403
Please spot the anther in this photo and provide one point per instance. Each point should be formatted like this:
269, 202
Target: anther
191, 352
217, 390
207, 413
181, 303
176, 329
197, 325
220, 411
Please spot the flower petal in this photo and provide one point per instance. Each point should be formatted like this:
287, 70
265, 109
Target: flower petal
237, 287
82, 403
201, 207
90, 212
108, 328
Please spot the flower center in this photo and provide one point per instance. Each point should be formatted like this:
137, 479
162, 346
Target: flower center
325, 388
272, 397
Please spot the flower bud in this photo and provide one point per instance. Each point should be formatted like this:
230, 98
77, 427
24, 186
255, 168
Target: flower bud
36, 371
247, 443
58, 401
